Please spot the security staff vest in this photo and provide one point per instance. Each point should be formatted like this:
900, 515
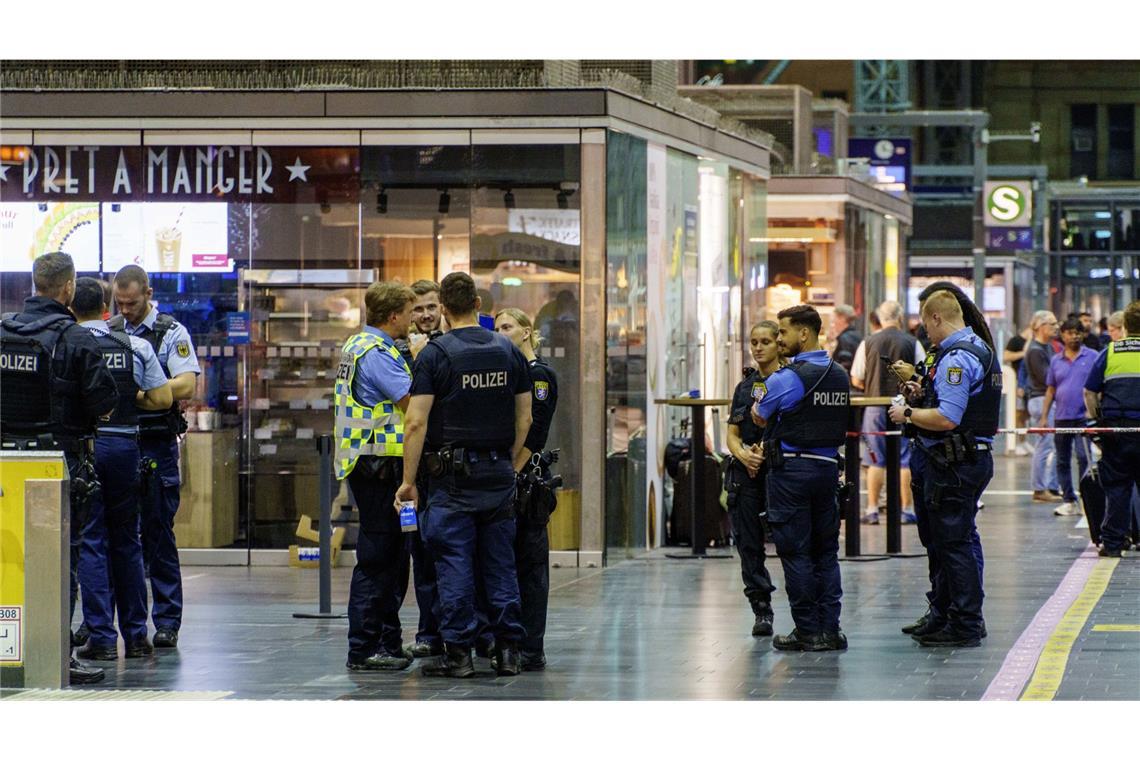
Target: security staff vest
120, 358
362, 430
819, 419
981, 416
168, 421
1121, 396
33, 401
477, 410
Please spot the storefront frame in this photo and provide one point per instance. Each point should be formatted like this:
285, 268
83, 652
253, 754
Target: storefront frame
383, 117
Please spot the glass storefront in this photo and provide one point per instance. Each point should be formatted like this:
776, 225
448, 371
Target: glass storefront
264, 253
1095, 249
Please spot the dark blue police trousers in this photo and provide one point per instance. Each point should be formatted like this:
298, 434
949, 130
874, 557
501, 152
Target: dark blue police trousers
160, 549
803, 513
380, 578
938, 597
948, 504
469, 527
1119, 469
110, 552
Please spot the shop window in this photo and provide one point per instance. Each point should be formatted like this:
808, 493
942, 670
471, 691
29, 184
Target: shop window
1127, 228
1082, 146
1085, 228
1121, 141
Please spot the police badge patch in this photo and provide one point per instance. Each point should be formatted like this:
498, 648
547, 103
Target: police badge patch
183, 347
541, 390
759, 391
954, 375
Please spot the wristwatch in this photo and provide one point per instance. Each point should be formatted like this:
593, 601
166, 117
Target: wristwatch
907, 412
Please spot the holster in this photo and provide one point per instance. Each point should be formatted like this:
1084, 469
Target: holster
382, 469
436, 464
773, 455
732, 475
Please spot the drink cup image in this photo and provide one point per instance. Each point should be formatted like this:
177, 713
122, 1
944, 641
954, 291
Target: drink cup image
168, 241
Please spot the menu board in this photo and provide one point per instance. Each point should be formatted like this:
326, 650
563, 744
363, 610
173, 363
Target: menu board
166, 237
28, 230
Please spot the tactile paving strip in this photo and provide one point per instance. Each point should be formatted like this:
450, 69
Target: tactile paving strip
41, 695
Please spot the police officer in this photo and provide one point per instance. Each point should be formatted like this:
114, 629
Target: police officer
804, 409
746, 482
917, 383
371, 394
955, 427
1112, 397
426, 323
532, 543
55, 386
110, 557
158, 443
471, 398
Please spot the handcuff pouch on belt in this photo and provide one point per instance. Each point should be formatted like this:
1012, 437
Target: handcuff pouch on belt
437, 464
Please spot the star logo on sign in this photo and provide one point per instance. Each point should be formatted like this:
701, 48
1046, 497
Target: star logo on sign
4, 172
298, 171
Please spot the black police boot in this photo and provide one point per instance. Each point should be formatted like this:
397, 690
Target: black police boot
80, 637
140, 647
507, 662
532, 661
795, 641
422, 649
380, 661
924, 625
93, 652
78, 673
947, 637
454, 663
166, 638
763, 624
828, 641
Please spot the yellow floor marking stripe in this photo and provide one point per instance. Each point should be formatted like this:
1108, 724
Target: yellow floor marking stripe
1112, 628
1051, 665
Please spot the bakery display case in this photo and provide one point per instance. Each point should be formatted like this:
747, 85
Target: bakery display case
299, 319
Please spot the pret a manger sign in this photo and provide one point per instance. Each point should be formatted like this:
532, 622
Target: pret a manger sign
155, 173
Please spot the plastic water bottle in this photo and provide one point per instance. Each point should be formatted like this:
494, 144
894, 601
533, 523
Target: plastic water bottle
408, 522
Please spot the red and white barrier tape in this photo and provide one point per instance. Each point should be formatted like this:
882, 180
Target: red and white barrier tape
1017, 431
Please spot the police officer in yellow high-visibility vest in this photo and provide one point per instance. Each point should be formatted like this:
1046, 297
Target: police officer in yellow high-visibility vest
1112, 397
371, 391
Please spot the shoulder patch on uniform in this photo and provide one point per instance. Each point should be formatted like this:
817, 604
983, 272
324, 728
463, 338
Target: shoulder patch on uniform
541, 390
759, 391
183, 347
954, 375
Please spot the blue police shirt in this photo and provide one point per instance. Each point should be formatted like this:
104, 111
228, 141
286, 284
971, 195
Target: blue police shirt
176, 352
379, 377
784, 391
957, 373
147, 371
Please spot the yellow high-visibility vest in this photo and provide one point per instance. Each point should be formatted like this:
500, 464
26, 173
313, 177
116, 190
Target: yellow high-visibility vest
359, 429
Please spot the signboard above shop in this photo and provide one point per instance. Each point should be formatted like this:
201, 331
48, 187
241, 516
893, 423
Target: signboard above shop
889, 161
183, 173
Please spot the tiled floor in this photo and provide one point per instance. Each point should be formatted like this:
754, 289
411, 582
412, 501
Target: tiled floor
655, 628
